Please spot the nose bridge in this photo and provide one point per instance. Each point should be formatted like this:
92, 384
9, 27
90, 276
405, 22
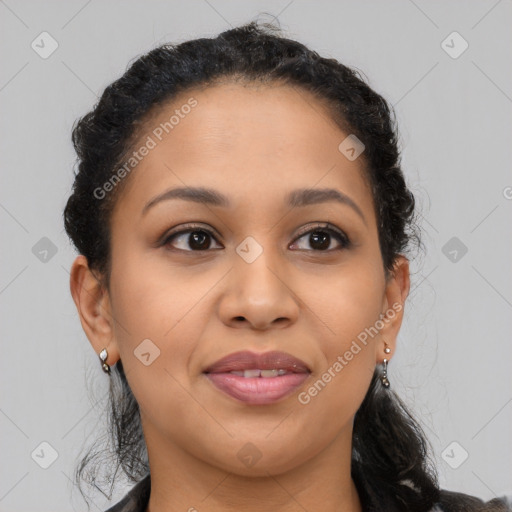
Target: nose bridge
257, 268
258, 292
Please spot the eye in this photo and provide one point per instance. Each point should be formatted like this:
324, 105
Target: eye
198, 239
320, 237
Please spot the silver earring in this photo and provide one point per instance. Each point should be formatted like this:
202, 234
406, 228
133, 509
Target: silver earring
384, 379
103, 359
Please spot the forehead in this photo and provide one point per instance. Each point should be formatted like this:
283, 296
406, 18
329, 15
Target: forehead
227, 112
257, 140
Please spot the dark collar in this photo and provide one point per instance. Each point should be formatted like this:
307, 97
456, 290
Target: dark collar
137, 498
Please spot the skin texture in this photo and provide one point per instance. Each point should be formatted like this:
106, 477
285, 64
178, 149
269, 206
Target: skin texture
253, 144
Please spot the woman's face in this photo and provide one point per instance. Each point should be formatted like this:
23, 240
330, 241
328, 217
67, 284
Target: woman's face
259, 282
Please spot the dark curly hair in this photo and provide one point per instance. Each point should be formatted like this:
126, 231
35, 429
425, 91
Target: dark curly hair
389, 446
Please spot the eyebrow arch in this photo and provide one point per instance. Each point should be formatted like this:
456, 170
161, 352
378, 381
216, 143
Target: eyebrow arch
296, 198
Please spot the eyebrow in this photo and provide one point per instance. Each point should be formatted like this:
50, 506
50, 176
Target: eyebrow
296, 198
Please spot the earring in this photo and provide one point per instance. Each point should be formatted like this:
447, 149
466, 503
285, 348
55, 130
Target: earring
103, 359
384, 378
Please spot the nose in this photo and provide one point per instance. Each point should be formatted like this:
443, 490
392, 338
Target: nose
258, 296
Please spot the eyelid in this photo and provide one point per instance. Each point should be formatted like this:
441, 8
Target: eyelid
320, 225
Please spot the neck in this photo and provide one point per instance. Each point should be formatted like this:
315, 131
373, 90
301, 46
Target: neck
183, 482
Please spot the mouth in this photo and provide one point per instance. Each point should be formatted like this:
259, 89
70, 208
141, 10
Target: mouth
258, 378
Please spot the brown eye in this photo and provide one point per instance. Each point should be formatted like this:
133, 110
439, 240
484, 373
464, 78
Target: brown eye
321, 237
197, 240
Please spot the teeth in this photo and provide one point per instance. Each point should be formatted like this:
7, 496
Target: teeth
259, 373
269, 373
251, 373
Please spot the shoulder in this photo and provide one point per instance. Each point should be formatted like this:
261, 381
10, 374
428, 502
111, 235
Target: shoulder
137, 498
451, 501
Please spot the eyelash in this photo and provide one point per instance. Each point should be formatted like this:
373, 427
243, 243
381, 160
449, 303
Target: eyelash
325, 227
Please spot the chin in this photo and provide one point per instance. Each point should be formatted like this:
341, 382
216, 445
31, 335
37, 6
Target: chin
251, 461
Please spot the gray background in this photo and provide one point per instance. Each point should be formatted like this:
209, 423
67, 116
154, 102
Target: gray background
453, 362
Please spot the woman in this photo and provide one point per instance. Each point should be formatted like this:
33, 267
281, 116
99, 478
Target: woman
243, 224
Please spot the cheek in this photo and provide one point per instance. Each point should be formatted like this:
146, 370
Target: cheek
348, 306
156, 341
149, 294
350, 311
155, 315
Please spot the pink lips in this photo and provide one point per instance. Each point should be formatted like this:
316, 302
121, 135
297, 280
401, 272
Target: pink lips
258, 390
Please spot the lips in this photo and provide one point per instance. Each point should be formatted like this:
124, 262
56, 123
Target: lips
258, 379
246, 360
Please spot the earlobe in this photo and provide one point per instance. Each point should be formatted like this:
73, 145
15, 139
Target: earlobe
93, 306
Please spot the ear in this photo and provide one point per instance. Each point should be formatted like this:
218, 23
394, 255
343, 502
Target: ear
397, 290
93, 304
